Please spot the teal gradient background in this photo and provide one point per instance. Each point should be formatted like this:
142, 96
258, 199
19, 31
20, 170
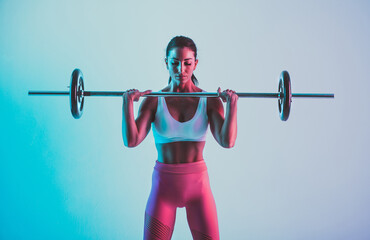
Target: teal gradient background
307, 178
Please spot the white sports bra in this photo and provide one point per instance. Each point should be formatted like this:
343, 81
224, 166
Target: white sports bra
166, 129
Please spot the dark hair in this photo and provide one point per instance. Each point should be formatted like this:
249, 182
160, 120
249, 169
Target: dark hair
180, 42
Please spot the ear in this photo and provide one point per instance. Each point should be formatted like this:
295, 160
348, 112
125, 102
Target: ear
166, 61
195, 64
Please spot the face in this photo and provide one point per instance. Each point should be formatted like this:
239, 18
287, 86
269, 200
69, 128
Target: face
181, 63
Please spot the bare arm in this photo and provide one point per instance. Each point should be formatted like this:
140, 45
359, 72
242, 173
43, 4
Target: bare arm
135, 131
224, 128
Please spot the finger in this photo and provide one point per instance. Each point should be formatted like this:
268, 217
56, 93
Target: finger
219, 93
222, 95
145, 92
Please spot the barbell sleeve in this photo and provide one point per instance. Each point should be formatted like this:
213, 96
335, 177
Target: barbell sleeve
313, 95
47, 93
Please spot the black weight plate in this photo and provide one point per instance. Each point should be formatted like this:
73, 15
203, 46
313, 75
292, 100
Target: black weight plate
285, 99
76, 93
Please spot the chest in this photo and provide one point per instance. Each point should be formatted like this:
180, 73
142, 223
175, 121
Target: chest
182, 109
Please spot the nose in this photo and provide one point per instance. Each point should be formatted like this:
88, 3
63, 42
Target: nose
180, 67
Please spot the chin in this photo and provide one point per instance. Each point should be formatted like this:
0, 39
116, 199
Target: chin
182, 80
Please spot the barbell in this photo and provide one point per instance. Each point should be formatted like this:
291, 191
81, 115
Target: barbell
77, 94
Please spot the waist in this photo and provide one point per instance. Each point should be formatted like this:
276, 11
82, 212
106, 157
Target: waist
181, 168
180, 152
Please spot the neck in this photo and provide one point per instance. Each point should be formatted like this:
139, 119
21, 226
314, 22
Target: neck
187, 86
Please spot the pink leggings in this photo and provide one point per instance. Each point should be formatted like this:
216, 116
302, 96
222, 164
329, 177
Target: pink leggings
181, 185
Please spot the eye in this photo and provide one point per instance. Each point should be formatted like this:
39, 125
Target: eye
188, 63
175, 63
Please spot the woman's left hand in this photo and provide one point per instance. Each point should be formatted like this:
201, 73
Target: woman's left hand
227, 95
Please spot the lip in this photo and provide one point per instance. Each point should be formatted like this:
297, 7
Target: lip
181, 76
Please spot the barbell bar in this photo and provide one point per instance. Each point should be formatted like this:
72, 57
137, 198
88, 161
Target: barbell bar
77, 94
176, 94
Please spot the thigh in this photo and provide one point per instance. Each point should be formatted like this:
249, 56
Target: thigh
202, 218
160, 217
159, 226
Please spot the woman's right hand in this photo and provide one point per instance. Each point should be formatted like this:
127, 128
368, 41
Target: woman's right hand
134, 94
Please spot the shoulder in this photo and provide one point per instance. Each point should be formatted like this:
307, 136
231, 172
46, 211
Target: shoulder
149, 102
197, 89
214, 104
149, 105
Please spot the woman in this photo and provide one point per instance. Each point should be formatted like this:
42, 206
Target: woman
180, 177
